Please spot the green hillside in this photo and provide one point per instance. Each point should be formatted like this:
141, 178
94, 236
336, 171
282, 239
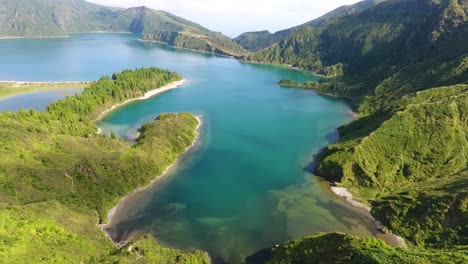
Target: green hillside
338, 248
258, 40
59, 178
408, 161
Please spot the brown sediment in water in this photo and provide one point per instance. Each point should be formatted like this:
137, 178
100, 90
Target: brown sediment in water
388, 237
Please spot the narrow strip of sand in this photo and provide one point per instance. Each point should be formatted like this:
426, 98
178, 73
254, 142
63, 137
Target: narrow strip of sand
147, 95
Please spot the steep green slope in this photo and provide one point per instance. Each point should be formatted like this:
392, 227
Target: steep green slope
255, 41
408, 160
58, 178
347, 249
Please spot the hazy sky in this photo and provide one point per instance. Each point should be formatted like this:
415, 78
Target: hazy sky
233, 17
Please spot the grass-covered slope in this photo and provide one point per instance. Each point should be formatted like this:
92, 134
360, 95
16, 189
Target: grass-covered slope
58, 177
347, 249
409, 161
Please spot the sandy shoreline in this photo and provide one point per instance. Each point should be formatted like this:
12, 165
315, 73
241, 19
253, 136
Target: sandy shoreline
345, 193
147, 95
112, 211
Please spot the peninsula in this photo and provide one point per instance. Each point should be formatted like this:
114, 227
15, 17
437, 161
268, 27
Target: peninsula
60, 178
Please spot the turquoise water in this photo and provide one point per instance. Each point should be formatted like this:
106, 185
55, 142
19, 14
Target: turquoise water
246, 185
37, 100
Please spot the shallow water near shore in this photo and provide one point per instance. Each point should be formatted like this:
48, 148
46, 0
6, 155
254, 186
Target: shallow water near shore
247, 183
37, 100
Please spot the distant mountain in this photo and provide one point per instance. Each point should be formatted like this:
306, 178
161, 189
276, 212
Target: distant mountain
257, 40
46, 18
144, 20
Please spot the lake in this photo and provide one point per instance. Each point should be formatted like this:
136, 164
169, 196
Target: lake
247, 183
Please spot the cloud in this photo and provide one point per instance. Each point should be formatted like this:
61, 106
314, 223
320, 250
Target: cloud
233, 17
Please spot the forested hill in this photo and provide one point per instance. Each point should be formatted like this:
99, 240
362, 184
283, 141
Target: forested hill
255, 41
48, 18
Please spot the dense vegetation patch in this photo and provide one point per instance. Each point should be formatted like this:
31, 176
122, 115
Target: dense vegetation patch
58, 177
306, 85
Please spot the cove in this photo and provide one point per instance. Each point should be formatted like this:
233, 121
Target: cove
247, 183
